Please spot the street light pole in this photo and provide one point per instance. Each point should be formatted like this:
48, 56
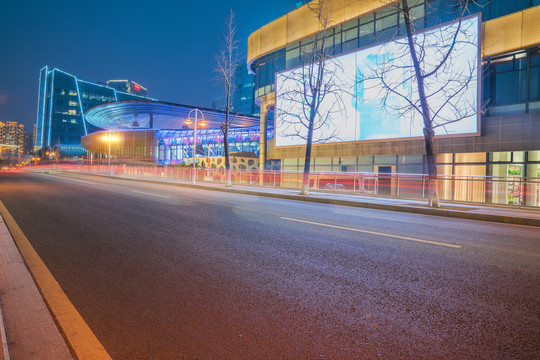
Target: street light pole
110, 139
187, 122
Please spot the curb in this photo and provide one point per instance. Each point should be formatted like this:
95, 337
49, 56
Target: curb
515, 220
5, 350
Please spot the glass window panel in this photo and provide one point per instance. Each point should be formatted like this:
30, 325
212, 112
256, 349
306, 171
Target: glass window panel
366, 29
510, 87
292, 58
521, 62
534, 107
365, 159
535, 59
417, 12
518, 156
470, 157
500, 156
350, 25
367, 18
444, 158
385, 159
507, 109
365, 168
350, 34
386, 22
534, 155
503, 67
349, 45
386, 11
411, 159
534, 83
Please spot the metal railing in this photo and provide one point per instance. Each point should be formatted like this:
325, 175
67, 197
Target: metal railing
512, 191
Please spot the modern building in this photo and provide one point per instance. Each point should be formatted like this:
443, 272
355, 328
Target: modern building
62, 101
505, 141
244, 91
243, 100
144, 131
12, 138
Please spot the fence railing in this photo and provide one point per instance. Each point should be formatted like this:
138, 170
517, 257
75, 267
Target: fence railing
514, 191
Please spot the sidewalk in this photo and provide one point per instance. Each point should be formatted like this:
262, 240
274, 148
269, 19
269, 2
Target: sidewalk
501, 214
32, 333
28, 329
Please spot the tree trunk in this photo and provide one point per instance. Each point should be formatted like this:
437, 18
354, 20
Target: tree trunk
433, 187
307, 161
228, 182
433, 184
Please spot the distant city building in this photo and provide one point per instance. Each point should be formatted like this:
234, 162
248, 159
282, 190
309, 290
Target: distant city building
29, 140
243, 100
62, 101
128, 86
243, 97
219, 103
12, 138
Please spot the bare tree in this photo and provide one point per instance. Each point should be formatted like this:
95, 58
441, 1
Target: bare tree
308, 96
226, 62
420, 79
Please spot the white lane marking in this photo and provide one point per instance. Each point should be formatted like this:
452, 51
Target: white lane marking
71, 179
145, 193
373, 232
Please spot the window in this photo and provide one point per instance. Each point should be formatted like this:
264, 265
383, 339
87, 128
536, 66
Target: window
534, 76
510, 81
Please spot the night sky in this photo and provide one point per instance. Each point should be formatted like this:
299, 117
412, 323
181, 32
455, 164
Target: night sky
169, 47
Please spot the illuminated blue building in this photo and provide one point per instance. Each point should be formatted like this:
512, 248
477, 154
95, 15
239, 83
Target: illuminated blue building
62, 101
155, 131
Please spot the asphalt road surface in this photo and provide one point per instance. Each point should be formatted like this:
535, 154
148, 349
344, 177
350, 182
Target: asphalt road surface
165, 272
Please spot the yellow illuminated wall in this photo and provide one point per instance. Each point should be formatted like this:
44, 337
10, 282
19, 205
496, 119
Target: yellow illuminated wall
301, 23
511, 32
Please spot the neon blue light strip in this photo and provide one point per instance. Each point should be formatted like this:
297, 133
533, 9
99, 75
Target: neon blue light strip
115, 96
44, 102
50, 109
80, 105
39, 96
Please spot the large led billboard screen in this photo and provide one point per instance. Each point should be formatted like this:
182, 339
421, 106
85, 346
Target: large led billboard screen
361, 108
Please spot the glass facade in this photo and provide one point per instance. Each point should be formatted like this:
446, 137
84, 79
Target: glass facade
369, 29
62, 101
512, 83
388, 23
243, 100
175, 146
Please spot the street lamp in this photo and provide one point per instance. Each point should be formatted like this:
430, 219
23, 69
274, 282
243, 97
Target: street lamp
110, 139
203, 124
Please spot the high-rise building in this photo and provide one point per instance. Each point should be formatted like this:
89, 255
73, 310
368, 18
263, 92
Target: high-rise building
243, 97
243, 100
12, 137
62, 101
29, 140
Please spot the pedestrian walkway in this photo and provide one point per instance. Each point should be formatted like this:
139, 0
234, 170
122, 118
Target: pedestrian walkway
501, 214
29, 331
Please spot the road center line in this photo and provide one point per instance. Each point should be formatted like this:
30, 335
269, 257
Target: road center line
81, 338
373, 232
145, 193
67, 178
